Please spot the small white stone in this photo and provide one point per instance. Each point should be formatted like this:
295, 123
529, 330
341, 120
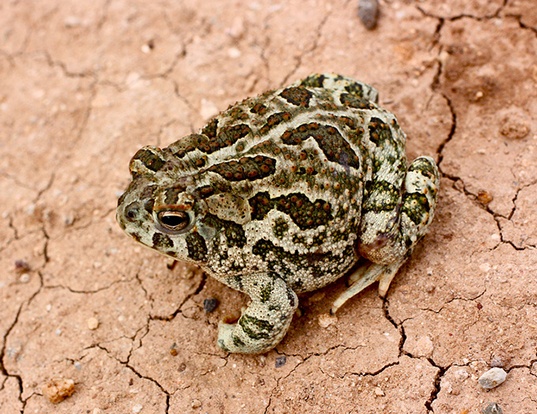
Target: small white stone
93, 323
234, 53
379, 392
484, 267
137, 408
492, 378
24, 278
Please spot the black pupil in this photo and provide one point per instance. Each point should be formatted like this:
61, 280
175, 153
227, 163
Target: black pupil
174, 220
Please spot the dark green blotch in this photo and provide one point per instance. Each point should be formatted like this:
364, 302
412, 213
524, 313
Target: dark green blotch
297, 95
197, 248
237, 342
210, 129
211, 139
313, 81
274, 120
258, 109
304, 213
424, 167
315, 263
162, 241
150, 160
260, 205
255, 328
355, 89
263, 247
230, 134
415, 206
354, 101
265, 293
234, 232
381, 196
280, 227
291, 294
334, 146
246, 168
379, 132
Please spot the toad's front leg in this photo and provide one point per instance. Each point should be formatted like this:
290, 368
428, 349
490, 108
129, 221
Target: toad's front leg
265, 321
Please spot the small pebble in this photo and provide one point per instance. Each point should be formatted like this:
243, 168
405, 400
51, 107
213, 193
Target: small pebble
209, 305
173, 350
25, 278
492, 408
280, 361
93, 323
196, 404
58, 389
492, 378
368, 11
378, 392
484, 197
137, 408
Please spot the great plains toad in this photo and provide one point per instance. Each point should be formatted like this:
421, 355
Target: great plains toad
282, 194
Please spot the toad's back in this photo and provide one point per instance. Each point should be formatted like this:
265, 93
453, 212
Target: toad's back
286, 187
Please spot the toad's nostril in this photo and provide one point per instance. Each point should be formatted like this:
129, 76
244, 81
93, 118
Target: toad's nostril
131, 211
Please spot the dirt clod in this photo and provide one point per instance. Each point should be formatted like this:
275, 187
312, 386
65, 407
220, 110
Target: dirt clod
58, 389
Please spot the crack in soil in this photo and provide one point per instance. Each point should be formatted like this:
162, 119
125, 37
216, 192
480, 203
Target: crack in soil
494, 15
3, 369
139, 375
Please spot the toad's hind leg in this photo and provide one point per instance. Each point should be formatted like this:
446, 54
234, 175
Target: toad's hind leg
388, 236
265, 321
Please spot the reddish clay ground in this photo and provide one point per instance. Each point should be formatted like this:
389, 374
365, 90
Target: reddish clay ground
83, 85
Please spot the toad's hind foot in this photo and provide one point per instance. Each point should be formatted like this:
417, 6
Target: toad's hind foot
265, 321
367, 275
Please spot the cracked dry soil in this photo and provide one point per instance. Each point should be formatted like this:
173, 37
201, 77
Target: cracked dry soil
83, 85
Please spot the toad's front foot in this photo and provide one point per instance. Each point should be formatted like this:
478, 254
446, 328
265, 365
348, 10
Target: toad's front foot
266, 320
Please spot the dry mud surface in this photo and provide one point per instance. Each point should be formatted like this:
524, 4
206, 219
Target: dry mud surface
83, 85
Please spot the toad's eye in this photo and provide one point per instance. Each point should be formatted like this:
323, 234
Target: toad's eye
173, 221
